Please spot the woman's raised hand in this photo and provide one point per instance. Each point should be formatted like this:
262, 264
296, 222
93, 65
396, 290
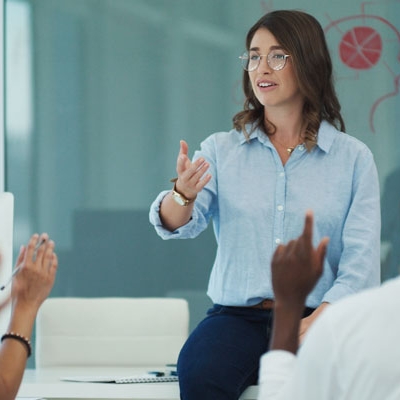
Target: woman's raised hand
38, 266
192, 176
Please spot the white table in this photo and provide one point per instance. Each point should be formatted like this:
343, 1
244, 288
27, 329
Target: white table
45, 383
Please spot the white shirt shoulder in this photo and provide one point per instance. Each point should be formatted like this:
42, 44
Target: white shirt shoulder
350, 352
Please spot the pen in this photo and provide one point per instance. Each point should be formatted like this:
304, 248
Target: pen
156, 373
19, 266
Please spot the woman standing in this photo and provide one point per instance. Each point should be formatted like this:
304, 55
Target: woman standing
286, 154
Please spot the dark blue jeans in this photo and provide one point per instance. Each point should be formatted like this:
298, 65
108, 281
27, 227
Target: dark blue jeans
221, 357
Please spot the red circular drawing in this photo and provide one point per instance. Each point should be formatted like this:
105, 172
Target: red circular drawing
360, 47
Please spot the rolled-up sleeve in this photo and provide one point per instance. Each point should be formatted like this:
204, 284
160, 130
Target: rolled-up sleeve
204, 205
189, 230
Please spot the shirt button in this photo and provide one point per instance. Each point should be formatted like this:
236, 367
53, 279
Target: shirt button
281, 174
277, 241
301, 147
280, 208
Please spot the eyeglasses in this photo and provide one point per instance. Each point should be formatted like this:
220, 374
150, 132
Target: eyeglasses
275, 59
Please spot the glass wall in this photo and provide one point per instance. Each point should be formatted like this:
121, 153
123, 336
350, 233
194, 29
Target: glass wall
98, 95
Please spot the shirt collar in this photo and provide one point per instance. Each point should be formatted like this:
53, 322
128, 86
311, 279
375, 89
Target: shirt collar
255, 134
325, 138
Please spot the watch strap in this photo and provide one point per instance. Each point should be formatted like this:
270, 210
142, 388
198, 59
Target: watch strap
180, 198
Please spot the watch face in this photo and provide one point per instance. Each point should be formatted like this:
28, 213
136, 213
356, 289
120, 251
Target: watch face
178, 198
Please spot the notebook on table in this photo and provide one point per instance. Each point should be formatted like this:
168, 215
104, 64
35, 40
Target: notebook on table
142, 378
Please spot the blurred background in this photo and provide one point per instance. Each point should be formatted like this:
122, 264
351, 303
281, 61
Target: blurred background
98, 94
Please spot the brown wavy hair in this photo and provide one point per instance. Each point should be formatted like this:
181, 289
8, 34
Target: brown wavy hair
302, 36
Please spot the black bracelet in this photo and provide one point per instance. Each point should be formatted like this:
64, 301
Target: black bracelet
25, 341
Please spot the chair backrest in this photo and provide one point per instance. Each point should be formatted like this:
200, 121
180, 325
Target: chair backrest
6, 249
110, 331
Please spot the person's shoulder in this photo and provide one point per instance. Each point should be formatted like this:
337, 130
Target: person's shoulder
225, 137
332, 138
354, 318
371, 300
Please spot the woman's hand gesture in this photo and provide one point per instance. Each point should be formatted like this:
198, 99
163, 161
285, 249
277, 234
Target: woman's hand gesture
191, 175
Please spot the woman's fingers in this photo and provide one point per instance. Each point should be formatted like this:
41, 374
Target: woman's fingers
192, 176
40, 248
184, 148
183, 162
30, 248
49, 255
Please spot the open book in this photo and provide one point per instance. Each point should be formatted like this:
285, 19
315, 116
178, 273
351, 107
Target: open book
143, 378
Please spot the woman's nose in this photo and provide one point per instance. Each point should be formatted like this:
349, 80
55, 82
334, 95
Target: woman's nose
263, 66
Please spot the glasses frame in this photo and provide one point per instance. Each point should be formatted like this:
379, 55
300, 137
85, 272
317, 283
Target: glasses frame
245, 56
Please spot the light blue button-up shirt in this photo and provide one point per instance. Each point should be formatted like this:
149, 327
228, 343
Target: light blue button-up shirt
256, 203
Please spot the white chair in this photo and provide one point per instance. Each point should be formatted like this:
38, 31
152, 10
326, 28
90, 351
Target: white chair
6, 249
110, 331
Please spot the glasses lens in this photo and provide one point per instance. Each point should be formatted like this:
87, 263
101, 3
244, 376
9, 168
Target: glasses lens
276, 60
245, 61
250, 61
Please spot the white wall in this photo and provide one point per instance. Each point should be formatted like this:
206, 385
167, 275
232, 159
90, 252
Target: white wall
5, 269
1, 97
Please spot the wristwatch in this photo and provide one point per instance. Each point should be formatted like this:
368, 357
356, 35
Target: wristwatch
180, 199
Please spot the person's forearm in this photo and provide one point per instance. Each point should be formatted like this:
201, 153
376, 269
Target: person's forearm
174, 215
286, 323
13, 353
23, 316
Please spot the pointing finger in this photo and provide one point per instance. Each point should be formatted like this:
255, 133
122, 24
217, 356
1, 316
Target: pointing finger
308, 226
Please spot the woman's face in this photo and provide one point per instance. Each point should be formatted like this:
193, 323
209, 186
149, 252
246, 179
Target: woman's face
273, 88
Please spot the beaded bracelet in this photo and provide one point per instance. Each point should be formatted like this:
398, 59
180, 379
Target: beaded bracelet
25, 341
